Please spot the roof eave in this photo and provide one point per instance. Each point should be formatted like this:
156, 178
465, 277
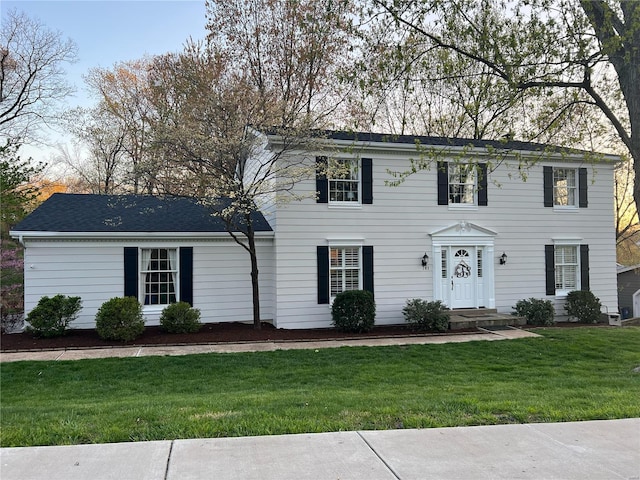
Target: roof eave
28, 234
453, 149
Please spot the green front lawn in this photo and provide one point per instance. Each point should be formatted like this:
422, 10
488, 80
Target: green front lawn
570, 374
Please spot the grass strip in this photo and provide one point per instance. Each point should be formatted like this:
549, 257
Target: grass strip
567, 375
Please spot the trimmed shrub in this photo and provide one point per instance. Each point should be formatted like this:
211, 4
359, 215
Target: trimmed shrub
536, 311
180, 318
584, 306
426, 316
354, 311
120, 319
52, 316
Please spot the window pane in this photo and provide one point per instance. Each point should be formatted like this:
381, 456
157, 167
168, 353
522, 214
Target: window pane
566, 267
336, 257
462, 183
344, 269
351, 280
564, 186
343, 180
443, 264
158, 276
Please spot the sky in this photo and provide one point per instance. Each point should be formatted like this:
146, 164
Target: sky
107, 32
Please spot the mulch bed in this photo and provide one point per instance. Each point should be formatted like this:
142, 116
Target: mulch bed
209, 333
232, 332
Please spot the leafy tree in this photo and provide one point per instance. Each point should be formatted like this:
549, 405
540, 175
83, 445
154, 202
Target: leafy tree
124, 113
268, 65
205, 148
583, 55
99, 162
18, 191
31, 73
291, 52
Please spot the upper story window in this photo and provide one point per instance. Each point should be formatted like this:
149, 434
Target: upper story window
344, 180
159, 275
462, 184
565, 188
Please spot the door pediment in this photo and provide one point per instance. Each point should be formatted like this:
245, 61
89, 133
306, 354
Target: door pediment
463, 231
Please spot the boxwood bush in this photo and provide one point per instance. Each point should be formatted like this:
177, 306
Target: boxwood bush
52, 316
180, 318
354, 311
535, 311
584, 306
426, 316
120, 319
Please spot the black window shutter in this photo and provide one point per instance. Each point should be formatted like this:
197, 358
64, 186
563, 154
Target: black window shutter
322, 184
443, 183
550, 269
584, 267
367, 268
547, 173
186, 275
367, 181
582, 188
483, 184
131, 272
323, 274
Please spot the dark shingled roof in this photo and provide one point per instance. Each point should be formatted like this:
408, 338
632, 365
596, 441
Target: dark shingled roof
425, 141
505, 144
64, 212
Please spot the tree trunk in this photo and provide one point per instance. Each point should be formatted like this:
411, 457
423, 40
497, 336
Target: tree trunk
255, 289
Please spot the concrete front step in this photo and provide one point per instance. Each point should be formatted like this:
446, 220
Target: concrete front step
461, 320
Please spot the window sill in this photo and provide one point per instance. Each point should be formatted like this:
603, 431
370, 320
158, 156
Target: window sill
562, 295
461, 206
153, 308
346, 205
568, 209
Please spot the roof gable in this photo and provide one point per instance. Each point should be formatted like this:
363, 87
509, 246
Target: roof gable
126, 213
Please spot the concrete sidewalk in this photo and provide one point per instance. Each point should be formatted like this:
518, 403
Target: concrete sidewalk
595, 450
78, 354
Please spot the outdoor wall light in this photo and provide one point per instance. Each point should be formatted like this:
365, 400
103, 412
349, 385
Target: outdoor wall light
425, 261
503, 258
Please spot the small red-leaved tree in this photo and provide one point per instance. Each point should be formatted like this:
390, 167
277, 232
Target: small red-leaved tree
12, 289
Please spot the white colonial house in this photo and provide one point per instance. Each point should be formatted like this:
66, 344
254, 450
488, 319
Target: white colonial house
489, 223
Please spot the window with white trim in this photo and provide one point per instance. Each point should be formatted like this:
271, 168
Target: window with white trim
159, 276
565, 188
344, 180
567, 268
344, 269
462, 183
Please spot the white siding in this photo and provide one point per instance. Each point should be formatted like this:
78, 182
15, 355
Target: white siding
399, 222
94, 271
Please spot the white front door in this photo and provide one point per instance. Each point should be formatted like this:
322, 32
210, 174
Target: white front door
463, 276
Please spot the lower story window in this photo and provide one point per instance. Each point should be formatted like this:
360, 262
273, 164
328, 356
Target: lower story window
159, 275
567, 267
344, 269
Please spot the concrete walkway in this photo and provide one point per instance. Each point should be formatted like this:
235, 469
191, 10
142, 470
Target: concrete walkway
595, 450
78, 354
